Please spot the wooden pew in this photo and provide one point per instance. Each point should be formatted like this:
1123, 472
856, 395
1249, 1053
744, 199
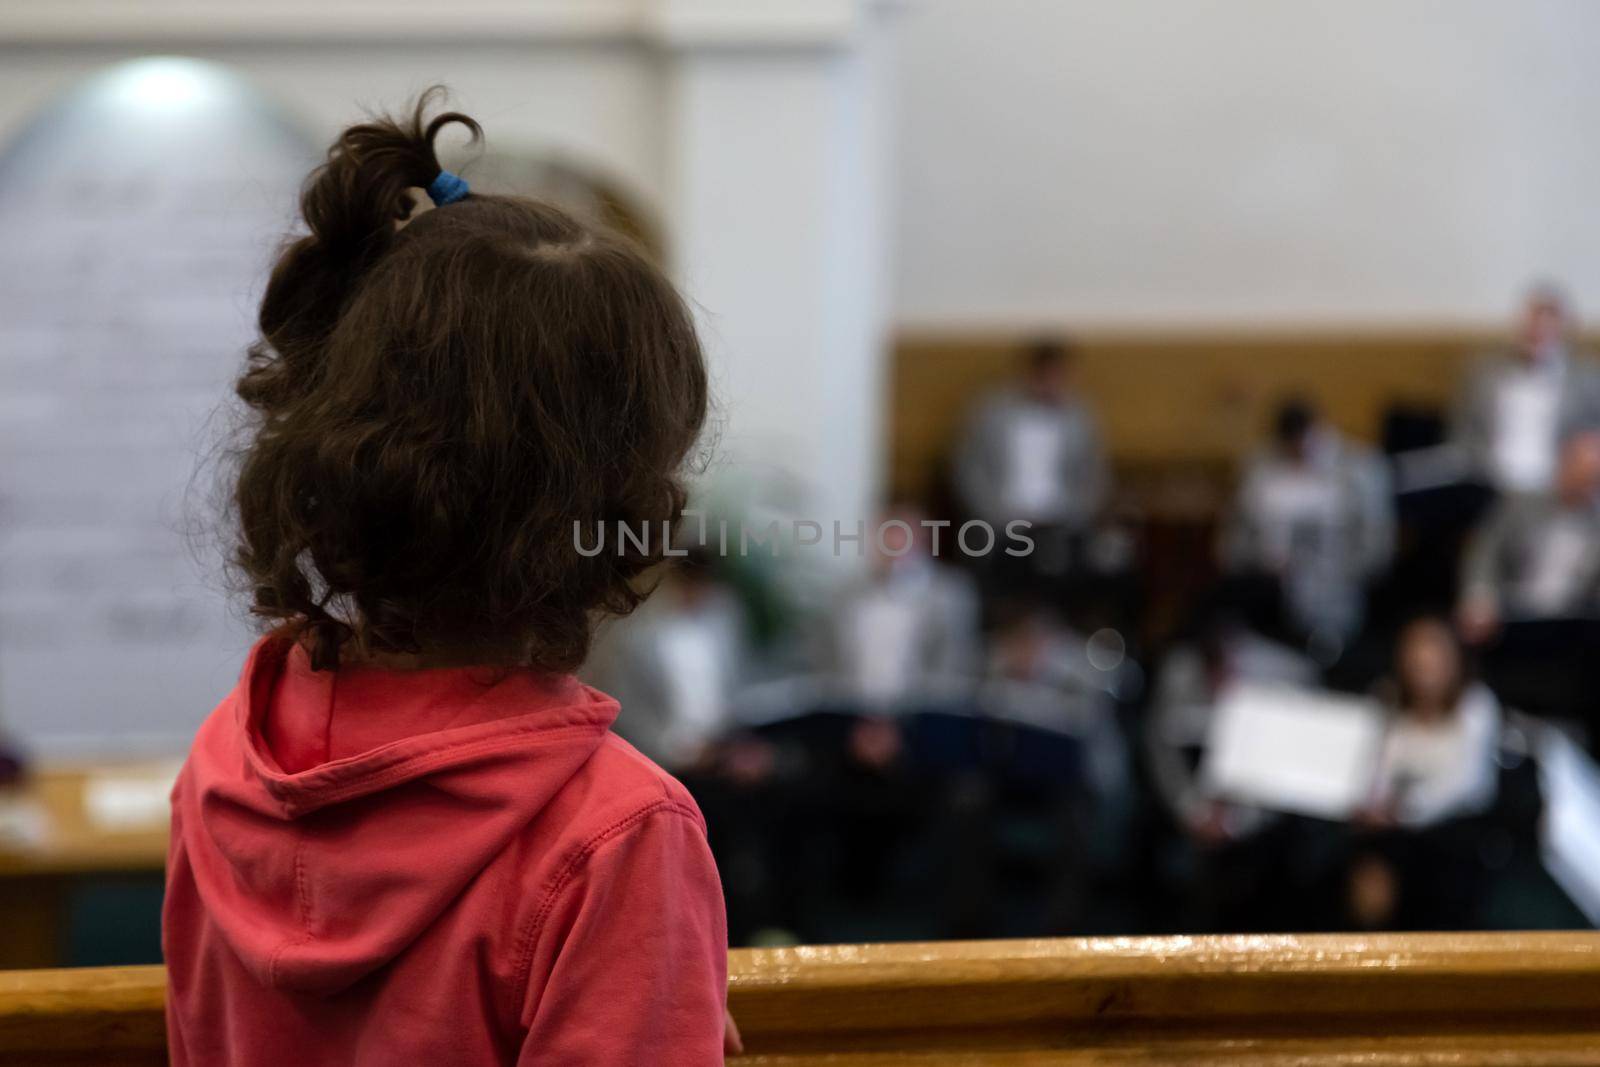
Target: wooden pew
110, 1016
1311, 1001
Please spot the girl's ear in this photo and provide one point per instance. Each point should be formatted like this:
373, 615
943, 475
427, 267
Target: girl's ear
420, 202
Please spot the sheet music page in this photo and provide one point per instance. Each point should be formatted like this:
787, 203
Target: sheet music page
1308, 752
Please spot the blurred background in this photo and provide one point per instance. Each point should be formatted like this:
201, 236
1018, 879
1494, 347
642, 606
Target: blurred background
1268, 318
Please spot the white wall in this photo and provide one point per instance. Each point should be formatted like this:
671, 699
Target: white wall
596, 101
1244, 160
791, 315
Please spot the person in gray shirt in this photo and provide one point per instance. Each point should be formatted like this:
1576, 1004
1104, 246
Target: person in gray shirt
1315, 511
904, 634
1032, 451
677, 666
1537, 556
1518, 404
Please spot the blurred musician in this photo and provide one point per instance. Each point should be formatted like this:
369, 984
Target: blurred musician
677, 663
1537, 556
1032, 451
1519, 404
1438, 758
1313, 511
908, 631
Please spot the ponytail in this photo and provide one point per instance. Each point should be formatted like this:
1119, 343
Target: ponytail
352, 205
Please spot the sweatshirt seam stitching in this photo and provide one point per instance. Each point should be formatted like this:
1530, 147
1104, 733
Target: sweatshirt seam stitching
302, 907
302, 895
410, 760
404, 767
565, 876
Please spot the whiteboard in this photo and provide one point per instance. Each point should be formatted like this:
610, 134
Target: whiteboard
141, 213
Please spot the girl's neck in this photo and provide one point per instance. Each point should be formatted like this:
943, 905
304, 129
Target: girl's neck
1430, 711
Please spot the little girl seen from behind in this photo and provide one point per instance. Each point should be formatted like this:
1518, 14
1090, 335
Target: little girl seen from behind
409, 836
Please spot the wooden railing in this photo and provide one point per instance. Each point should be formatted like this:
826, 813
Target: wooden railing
1269, 1000
112, 1016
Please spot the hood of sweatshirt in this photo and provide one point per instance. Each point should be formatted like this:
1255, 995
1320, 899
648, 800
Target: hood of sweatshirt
331, 817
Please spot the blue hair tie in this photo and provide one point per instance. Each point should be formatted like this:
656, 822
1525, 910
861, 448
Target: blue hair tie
447, 188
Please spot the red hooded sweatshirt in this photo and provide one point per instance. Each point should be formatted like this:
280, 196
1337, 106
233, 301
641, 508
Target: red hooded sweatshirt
438, 867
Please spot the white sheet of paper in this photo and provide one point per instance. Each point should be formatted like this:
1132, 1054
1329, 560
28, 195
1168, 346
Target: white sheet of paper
883, 654
1556, 578
1570, 830
24, 823
1294, 508
1524, 446
695, 677
1304, 751
1033, 482
131, 798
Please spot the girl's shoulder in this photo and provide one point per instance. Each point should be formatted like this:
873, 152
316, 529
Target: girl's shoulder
614, 792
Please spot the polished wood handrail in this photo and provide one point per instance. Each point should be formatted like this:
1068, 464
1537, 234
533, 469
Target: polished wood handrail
1318, 999
112, 1016
1402, 999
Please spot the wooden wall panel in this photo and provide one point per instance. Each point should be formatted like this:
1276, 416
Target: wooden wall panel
1194, 399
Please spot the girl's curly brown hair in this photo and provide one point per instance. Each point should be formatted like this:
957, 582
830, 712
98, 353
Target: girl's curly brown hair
435, 405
